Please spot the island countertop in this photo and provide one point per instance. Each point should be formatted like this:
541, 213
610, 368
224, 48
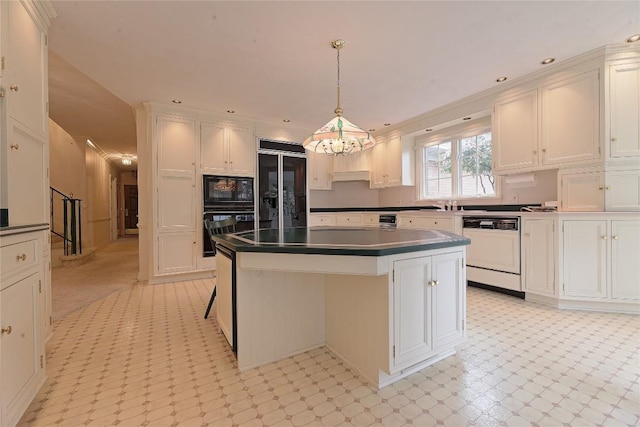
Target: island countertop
340, 241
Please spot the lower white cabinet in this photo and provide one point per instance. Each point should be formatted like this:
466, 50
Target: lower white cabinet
428, 307
440, 222
539, 256
224, 294
598, 190
600, 259
348, 219
22, 314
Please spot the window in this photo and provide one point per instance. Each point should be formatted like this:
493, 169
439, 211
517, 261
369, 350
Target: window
458, 165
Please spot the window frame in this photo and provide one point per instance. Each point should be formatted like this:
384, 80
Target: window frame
454, 135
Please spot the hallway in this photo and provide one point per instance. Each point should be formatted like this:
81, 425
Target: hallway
110, 269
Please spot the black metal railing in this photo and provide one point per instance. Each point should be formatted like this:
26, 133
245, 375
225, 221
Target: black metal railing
71, 224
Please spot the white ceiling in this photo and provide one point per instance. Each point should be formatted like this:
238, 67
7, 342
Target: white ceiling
272, 60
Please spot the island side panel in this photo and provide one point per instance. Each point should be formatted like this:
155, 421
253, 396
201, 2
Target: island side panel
279, 314
357, 322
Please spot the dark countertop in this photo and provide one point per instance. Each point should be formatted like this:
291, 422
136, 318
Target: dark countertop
365, 241
26, 228
507, 208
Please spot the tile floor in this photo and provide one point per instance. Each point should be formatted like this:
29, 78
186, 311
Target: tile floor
144, 356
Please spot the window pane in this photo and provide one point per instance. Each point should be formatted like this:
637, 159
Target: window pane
437, 170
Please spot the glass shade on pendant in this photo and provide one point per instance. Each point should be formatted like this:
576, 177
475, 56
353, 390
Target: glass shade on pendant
339, 136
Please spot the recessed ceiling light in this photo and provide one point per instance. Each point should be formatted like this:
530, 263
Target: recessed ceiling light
176, 101
466, 118
428, 130
501, 79
286, 120
387, 124
231, 111
634, 38
547, 61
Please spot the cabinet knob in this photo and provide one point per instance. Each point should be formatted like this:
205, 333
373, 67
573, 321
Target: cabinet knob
15, 146
14, 88
6, 330
435, 222
22, 257
526, 234
614, 139
600, 188
436, 283
604, 237
410, 221
606, 187
544, 150
430, 283
614, 237
535, 151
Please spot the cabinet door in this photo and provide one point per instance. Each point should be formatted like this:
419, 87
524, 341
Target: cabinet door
394, 161
27, 190
584, 259
538, 254
447, 302
624, 109
379, 172
242, 152
214, 157
625, 273
19, 350
582, 192
412, 307
176, 252
622, 191
224, 298
25, 75
515, 132
319, 167
571, 119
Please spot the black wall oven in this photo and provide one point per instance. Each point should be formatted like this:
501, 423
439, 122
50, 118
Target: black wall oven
227, 197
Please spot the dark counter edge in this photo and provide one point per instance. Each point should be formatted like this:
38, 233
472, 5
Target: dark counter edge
4, 217
25, 228
489, 208
338, 251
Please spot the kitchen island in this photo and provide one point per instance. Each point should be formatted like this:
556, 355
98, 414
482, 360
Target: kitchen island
387, 301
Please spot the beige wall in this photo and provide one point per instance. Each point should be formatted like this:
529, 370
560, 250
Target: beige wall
345, 194
78, 169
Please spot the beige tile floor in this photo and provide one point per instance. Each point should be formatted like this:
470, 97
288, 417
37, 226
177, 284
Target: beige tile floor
144, 356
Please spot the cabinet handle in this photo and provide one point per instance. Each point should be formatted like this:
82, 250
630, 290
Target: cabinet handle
600, 188
604, 237
14, 88
606, 187
22, 257
6, 330
614, 237
614, 139
535, 151
15, 146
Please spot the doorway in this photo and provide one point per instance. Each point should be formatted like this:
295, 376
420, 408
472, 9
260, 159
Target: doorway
130, 209
114, 208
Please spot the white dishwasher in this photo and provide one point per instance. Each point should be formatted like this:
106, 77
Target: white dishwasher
493, 258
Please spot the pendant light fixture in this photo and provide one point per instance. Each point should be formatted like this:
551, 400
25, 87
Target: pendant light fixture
339, 136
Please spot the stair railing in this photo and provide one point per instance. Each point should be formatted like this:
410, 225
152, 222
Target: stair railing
71, 232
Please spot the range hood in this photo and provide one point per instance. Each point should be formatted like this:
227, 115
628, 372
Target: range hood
359, 175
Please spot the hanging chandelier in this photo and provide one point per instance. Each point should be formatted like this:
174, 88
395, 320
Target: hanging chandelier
339, 136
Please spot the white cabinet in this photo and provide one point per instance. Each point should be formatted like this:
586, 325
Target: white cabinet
227, 150
320, 219
224, 297
24, 130
21, 338
596, 190
539, 256
439, 222
319, 167
601, 259
624, 110
428, 307
515, 132
352, 167
571, 119
625, 247
176, 195
622, 190
348, 219
392, 163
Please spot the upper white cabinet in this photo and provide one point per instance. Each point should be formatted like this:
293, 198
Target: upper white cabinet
352, 167
539, 256
515, 132
319, 167
624, 109
176, 194
571, 119
595, 190
227, 150
392, 163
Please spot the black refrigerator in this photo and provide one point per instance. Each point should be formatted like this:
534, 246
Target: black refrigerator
282, 185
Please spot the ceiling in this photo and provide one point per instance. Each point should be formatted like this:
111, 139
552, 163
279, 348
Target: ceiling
273, 60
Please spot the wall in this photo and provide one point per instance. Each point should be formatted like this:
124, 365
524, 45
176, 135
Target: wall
345, 194
67, 173
98, 201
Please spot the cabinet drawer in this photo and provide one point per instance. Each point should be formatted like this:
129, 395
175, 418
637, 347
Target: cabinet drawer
17, 257
348, 220
414, 222
370, 220
322, 220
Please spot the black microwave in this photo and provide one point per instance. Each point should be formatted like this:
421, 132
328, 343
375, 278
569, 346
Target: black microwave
227, 192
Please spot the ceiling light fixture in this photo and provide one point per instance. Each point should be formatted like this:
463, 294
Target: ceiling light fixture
501, 79
339, 136
126, 159
176, 101
547, 61
634, 38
